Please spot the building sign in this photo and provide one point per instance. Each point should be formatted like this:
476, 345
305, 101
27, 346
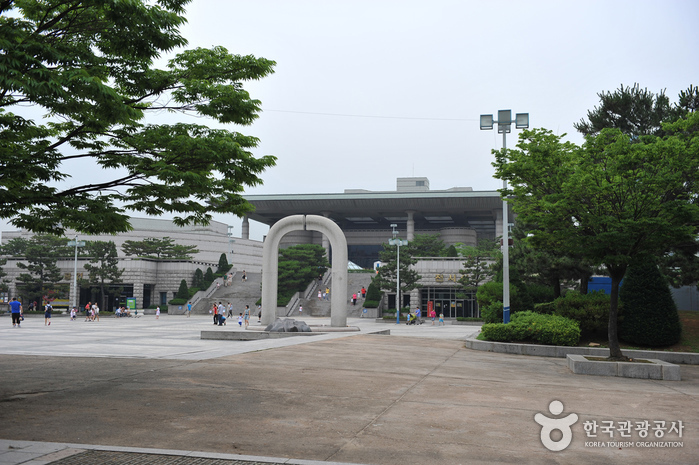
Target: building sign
440, 278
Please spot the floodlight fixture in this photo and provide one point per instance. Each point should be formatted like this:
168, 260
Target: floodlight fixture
522, 120
486, 122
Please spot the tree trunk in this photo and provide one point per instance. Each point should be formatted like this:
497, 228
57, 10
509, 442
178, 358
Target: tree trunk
584, 283
617, 274
556, 284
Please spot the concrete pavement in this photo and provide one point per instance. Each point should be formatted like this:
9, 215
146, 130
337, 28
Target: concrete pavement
414, 397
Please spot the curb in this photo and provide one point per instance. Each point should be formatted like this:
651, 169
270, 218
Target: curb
686, 358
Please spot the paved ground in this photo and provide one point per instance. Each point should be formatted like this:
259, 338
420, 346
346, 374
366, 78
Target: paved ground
150, 391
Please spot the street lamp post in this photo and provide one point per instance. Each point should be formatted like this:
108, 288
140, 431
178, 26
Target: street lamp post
76, 243
231, 241
397, 242
504, 122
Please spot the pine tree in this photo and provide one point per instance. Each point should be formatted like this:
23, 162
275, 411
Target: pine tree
649, 314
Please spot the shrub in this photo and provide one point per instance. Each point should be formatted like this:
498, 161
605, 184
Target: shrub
650, 313
492, 313
177, 301
373, 292
371, 303
548, 308
223, 265
182, 292
591, 310
540, 293
530, 326
488, 293
198, 279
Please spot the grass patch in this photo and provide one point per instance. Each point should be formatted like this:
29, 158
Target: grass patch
688, 343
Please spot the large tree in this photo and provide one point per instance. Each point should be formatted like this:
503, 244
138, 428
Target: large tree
387, 276
609, 200
87, 70
298, 266
637, 112
103, 267
40, 252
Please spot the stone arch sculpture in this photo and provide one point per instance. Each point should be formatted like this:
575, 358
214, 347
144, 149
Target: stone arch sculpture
270, 264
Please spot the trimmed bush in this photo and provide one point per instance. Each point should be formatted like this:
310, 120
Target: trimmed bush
548, 308
650, 313
590, 310
530, 326
492, 313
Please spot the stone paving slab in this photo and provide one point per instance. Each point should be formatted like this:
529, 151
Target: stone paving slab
416, 397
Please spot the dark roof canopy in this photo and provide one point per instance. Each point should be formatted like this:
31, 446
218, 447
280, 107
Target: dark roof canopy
377, 210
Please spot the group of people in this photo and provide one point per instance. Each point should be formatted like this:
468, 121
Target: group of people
362, 292
122, 312
228, 280
92, 312
324, 294
222, 313
414, 317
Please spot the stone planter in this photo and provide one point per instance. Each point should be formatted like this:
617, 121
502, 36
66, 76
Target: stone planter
654, 369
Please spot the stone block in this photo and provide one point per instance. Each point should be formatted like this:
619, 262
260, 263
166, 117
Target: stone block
639, 370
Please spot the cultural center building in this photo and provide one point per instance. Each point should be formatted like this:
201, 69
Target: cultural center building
456, 215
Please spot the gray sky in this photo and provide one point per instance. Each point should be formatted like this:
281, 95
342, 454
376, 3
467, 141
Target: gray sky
368, 91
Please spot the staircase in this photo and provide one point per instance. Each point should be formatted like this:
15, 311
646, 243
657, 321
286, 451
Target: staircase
239, 293
321, 308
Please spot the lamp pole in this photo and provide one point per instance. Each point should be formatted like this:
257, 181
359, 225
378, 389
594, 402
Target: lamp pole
504, 122
77, 244
397, 242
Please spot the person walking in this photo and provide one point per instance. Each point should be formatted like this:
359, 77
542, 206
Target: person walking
16, 309
259, 314
246, 316
300, 309
157, 312
441, 319
47, 314
189, 309
95, 312
230, 310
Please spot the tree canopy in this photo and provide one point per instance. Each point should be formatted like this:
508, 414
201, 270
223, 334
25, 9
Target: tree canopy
386, 278
87, 69
608, 200
153, 247
41, 252
637, 112
298, 266
103, 266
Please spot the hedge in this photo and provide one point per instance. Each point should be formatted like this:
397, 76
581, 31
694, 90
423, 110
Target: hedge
530, 326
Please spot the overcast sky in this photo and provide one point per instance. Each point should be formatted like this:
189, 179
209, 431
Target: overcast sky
368, 91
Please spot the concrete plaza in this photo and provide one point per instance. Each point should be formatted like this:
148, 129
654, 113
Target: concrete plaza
154, 388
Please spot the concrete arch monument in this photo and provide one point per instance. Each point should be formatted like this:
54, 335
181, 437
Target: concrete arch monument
270, 264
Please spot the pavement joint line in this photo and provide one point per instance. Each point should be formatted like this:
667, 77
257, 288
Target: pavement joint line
36, 453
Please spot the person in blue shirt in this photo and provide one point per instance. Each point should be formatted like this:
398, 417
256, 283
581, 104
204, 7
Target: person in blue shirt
16, 309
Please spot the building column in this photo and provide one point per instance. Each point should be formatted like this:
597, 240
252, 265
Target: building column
245, 230
325, 240
498, 223
410, 225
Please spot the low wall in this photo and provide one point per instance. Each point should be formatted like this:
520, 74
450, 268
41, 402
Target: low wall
685, 358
